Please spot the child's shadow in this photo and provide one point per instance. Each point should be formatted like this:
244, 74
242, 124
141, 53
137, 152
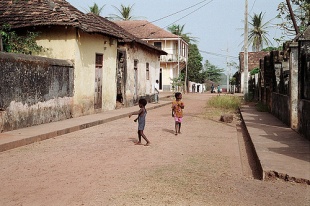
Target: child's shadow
135, 141
169, 131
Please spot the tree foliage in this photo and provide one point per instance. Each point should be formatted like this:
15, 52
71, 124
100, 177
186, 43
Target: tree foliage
14, 43
178, 30
258, 32
194, 64
301, 10
124, 13
95, 9
212, 73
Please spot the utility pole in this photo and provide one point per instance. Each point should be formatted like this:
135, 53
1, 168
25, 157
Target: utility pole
227, 71
245, 70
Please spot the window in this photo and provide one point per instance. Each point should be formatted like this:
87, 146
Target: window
157, 44
147, 71
135, 64
99, 60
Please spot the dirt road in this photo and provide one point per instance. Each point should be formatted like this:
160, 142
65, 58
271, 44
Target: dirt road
102, 166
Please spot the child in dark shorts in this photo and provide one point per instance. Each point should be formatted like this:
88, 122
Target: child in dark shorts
141, 121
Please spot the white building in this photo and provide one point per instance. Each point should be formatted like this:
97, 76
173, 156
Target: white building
177, 49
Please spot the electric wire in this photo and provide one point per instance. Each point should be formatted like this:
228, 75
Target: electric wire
174, 14
218, 55
183, 17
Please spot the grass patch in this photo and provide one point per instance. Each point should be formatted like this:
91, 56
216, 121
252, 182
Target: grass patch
218, 105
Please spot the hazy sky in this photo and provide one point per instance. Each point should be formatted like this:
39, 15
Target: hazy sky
217, 24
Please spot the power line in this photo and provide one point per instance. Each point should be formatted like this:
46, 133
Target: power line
178, 11
184, 16
174, 14
252, 6
218, 55
190, 13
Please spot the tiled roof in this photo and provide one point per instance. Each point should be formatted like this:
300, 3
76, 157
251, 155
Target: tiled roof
22, 13
145, 30
126, 36
29, 13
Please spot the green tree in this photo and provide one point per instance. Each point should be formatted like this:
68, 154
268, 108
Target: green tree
95, 9
212, 72
270, 48
14, 43
301, 10
194, 65
125, 13
178, 30
258, 32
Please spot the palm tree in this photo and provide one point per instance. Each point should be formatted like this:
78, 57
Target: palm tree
95, 9
178, 30
258, 33
124, 13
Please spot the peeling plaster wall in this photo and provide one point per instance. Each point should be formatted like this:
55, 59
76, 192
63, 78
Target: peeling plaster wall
145, 86
81, 48
34, 90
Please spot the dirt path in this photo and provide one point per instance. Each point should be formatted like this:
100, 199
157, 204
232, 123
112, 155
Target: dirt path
102, 166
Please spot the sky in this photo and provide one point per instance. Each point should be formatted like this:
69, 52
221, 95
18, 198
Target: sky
217, 25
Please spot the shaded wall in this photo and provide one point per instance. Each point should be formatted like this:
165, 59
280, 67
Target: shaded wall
34, 90
281, 108
304, 88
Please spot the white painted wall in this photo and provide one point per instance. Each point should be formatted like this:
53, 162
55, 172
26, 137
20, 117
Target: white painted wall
81, 48
145, 86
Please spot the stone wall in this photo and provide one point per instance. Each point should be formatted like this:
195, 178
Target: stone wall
304, 118
281, 108
34, 90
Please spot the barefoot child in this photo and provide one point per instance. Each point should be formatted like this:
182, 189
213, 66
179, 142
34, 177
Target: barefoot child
177, 112
141, 121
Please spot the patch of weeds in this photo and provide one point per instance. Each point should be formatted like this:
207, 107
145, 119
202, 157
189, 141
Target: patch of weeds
218, 105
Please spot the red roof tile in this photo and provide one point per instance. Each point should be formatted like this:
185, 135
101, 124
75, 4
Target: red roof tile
23, 14
145, 30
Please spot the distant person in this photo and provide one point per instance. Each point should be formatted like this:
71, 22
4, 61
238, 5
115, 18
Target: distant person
156, 88
193, 88
218, 89
141, 121
177, 112
212, 88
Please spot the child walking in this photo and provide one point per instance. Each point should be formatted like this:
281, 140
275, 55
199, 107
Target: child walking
141, 121
177, 112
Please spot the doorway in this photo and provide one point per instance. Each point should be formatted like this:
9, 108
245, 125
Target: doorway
98, 81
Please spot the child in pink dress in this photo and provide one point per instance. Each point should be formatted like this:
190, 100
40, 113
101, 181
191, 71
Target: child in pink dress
177, 112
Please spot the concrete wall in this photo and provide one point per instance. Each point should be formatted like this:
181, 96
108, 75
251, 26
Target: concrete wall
81, 48
281, 107
304, 118
34, 90
145, 87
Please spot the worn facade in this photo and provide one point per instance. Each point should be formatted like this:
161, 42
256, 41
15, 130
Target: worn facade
283, 84
34, 90
176, 48
93, 45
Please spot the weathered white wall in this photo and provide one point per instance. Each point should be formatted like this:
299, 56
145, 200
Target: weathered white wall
145, 86
81, 48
